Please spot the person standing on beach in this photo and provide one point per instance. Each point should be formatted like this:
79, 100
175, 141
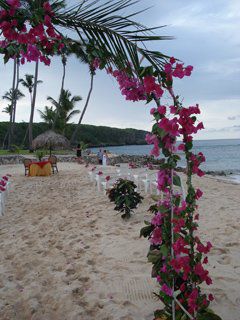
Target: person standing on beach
105, 159
100, 156
79, 153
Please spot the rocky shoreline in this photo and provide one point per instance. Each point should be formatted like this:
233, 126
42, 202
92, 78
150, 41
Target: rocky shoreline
137, 160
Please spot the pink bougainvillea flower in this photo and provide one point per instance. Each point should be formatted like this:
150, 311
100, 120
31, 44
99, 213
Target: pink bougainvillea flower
168, 291
153, 110
156, 236
162, 110
157, 219
107, 178
198, 194
14, 3
210, 297
172, 60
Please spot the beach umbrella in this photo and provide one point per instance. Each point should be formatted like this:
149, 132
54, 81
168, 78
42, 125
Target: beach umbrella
50, 139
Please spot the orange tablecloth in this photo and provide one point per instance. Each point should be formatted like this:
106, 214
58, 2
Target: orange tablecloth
42, 168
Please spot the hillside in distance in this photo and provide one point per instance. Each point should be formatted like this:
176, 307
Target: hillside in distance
94, 136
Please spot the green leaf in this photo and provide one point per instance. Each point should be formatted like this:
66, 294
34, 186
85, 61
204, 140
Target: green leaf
154, 256
147, 223
177, 181
161, 132
146, 231
189, 145
208, 316
155, 197
164, 250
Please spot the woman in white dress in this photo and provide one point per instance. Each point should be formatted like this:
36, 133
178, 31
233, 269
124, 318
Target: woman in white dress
105, 158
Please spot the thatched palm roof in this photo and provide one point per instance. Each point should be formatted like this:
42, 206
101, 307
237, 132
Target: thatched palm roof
50, 139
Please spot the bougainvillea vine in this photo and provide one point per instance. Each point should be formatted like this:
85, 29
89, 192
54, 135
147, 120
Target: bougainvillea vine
177, 254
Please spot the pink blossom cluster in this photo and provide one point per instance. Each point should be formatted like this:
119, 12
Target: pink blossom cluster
131, 87
31, 41
3, 182
177, 70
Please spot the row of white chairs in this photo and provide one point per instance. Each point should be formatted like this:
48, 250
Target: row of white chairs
4, 190
146, 180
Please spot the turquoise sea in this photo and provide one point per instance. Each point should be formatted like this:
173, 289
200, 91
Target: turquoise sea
221, 155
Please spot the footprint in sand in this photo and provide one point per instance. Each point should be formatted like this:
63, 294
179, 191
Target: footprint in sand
224, 260
217, 250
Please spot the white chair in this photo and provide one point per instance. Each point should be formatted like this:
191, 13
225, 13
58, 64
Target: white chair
154, 184
107, 185
98, 182
91, 175
136, 180
2, 202
146, 183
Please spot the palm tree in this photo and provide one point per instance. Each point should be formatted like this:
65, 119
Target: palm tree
48, 115
12, 96
64, 106
8, 109
30, 82
9, 133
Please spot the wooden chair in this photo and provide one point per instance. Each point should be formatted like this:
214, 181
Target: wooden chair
53, 160
26, 163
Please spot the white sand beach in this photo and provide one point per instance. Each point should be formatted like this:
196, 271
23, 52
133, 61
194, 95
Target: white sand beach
66, 255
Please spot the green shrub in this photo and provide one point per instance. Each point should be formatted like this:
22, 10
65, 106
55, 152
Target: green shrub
40, 154
125, 197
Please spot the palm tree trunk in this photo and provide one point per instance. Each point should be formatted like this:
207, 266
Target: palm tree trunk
25, 137
33, 101
63, 76
15, 98
84, 110
12, 103
62, 87
16, 90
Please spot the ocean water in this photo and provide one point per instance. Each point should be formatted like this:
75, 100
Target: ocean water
221, 155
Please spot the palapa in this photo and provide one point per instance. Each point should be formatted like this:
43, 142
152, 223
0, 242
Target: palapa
50, 139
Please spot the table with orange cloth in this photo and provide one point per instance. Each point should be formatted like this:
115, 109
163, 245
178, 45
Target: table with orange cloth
41, 168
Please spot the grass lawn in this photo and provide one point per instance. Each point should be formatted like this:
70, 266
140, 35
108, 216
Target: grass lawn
26, 152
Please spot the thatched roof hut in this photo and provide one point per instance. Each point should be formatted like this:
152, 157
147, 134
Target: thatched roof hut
50, 139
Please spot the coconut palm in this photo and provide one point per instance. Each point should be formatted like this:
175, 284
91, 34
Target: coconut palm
12, 96
8, 109
48, 115
30, 82
65, 106
9, 133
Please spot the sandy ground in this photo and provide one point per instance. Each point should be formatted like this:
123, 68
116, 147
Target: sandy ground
65, 254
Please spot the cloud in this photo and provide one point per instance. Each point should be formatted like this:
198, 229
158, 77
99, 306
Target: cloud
225, 129
234, 117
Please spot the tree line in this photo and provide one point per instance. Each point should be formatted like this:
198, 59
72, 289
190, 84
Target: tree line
89, 134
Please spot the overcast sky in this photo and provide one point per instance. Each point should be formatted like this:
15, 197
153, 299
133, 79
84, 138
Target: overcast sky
206, 36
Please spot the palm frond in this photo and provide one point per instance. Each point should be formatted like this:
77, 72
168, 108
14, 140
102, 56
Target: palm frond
71, 114
53, 102
104, 24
